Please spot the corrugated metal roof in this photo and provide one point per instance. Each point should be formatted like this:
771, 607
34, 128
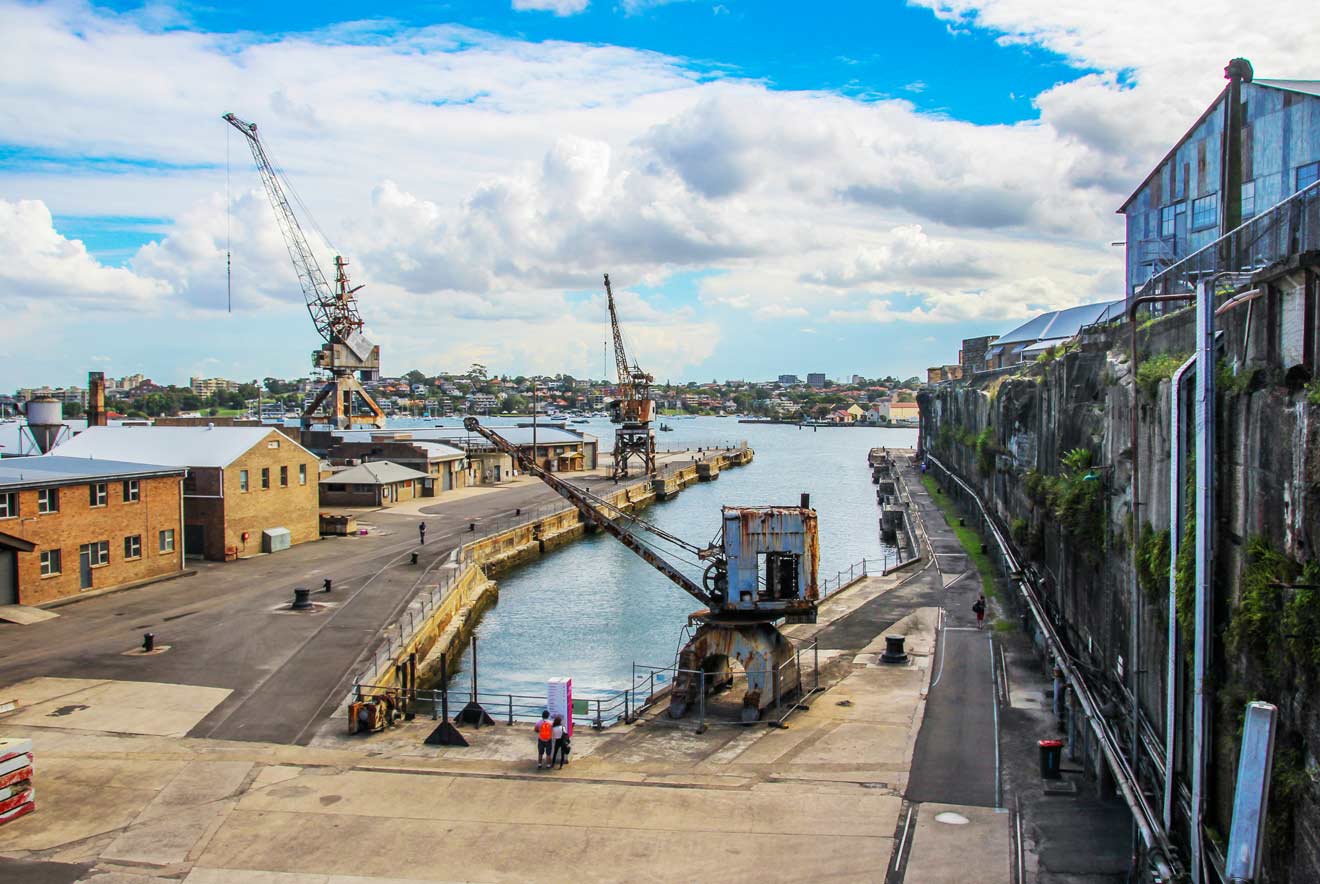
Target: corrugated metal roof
377, 472
1309, 87
440, 451
177, 446
1059, 325
53, 469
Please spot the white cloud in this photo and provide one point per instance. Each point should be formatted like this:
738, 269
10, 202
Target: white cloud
477, 181
558, 7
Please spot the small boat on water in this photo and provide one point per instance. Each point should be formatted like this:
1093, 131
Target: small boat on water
665, 428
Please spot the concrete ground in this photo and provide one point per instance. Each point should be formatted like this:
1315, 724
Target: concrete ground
892, 773
228, 626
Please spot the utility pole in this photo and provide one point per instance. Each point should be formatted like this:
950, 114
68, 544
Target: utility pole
534, 419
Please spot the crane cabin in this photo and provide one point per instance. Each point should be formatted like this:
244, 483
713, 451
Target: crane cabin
772, 554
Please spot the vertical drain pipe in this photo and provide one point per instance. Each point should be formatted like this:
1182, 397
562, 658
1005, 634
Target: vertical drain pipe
1175, 537
1205, 453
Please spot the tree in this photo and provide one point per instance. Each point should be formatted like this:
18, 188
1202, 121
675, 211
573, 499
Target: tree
248, 391
415, 377
515, 404
477, 373
73, 409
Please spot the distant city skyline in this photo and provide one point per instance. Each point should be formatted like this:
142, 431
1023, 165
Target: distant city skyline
857, 185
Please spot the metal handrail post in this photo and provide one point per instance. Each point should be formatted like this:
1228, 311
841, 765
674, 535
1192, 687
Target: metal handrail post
598, 722
701, 703
511, 710
815, 665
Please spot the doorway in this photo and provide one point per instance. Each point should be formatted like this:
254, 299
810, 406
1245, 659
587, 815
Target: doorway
85, 567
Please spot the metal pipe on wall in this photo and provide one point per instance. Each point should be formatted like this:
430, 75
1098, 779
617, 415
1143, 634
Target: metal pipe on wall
1175, 538
1204, 534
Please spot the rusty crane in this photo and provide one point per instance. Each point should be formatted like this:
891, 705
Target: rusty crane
633, 411
346, 354
759, 570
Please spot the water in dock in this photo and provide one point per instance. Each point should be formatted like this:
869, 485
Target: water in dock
589, 609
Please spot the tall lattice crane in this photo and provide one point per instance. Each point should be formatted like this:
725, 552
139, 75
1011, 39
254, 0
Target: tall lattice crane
346, 354
634, 410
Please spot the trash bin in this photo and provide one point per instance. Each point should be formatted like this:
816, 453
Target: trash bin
1051, 754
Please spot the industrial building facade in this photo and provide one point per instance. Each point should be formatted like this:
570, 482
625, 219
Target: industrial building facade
244, 483
71, 525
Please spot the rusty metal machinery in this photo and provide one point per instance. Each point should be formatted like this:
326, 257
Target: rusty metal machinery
634, 410
346, 354
760, 569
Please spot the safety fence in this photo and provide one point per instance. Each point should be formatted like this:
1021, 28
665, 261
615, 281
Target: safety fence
1290, 227
397, 635
857, 570
790, 683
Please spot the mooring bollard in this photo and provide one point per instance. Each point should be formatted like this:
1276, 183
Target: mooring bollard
327, 584
301, 599
148, 642
414, 558
894, 652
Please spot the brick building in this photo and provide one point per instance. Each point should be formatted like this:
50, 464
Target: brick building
444, 466
242, 481
70, 525
379, 483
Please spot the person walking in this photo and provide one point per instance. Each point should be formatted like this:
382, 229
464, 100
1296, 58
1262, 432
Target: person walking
421, 532
544, 741
560, 735
979, 607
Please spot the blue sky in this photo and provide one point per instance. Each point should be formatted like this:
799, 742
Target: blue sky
847, 187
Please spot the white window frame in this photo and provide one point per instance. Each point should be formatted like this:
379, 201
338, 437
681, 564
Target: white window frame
52, 564
132, 491
244, 481
48, 501
284, 476
99, 551
165, 542
302, 474
133, 547
98, 494
8, 504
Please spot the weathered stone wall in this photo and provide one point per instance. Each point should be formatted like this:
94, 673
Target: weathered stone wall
1008, 437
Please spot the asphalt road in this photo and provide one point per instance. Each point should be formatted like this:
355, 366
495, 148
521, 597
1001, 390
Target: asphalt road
228, 626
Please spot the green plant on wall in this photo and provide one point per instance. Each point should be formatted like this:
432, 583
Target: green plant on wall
1157, 369
986, 450
1153, 561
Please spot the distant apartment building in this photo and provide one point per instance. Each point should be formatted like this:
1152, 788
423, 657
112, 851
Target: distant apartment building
815, 379
789, 380
482, 403
72, 525
249, 489
66, 395
211, 386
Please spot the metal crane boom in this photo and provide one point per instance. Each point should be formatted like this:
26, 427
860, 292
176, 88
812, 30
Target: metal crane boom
335, 317
620, 356
590, 507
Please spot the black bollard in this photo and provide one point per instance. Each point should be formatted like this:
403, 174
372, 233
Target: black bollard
894, 652
414, 558
301, 599
148, 642
326, 585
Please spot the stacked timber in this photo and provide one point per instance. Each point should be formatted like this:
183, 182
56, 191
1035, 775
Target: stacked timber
16, 795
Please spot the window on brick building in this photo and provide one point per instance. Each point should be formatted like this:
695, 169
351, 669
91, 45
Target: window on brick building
242, 480
302, 474
132, 493
265, 477
9, 505
97, 553
48, 500
284, 477
133, 547
50, 562
167, 540
98, 494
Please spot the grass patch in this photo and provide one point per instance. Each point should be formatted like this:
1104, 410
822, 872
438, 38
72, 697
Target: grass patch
1002, 625
970, 539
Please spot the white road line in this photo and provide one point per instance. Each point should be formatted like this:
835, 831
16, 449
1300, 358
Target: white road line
1021, 879
939, 673
991, 646
961, 629
907, 825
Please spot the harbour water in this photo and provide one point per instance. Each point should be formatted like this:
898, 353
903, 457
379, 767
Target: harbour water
589, 609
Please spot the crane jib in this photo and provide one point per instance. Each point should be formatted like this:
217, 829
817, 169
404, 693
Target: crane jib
591, 512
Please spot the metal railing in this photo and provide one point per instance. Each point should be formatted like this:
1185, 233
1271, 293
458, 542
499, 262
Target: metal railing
600, 708
396, 636
857, 570
1287, 228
